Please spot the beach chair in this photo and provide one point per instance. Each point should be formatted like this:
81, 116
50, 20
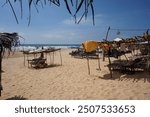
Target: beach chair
116, 65
78, 53
130, 66
38, 63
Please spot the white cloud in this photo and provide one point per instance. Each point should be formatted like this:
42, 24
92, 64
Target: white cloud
54, 36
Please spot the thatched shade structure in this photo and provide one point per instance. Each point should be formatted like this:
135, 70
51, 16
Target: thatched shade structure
7, 41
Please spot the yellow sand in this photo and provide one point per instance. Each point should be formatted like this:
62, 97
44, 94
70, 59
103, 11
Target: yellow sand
70, 81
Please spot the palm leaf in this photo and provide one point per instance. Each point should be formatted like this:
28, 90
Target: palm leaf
79, 6
81, 18
30, 3
86, 9
13, 11
71, 2
67, 6
21, 8
92, 8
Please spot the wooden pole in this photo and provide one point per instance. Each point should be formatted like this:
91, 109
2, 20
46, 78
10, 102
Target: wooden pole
107, 33
106, 40
53, 57
109, 52
109, 62
1, 88
99, 62
60, 56
148, 37
103, 54
50, 58
24, 58
88, 65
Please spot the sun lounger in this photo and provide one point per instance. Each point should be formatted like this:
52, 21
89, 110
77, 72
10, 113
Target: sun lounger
130, 66
38, 63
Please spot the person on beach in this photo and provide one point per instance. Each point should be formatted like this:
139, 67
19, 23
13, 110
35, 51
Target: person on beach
38, 62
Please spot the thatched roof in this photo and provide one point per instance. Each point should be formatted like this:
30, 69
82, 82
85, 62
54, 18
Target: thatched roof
9, 40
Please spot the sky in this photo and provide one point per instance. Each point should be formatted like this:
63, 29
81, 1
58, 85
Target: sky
54, 25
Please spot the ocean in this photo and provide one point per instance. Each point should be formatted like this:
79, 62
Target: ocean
45, 46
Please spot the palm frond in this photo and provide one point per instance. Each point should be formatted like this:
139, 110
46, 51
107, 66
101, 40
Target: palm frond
92, 8
67, 6
79, 6
74, 7
13, 11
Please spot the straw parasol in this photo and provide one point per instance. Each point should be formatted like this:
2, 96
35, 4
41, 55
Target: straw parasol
7, 41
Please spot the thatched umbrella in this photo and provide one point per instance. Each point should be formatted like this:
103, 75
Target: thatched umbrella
7, 41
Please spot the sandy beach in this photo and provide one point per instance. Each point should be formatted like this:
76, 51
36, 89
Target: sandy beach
70, 81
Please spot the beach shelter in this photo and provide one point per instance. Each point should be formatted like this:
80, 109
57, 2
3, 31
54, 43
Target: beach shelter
7, 41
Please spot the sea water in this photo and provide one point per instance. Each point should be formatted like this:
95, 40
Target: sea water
45, 46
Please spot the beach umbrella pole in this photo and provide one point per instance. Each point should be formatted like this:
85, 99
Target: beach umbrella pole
99, 62
103, 54
88, 65
109, 63
60, 56
1, 88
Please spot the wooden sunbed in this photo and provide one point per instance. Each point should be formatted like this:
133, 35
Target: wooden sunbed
37, 63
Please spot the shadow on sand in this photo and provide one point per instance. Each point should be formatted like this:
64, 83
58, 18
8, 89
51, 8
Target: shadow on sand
48, 66
135, 77
17, 98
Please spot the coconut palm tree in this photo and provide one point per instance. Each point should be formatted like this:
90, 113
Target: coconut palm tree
70, 6
7, 41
